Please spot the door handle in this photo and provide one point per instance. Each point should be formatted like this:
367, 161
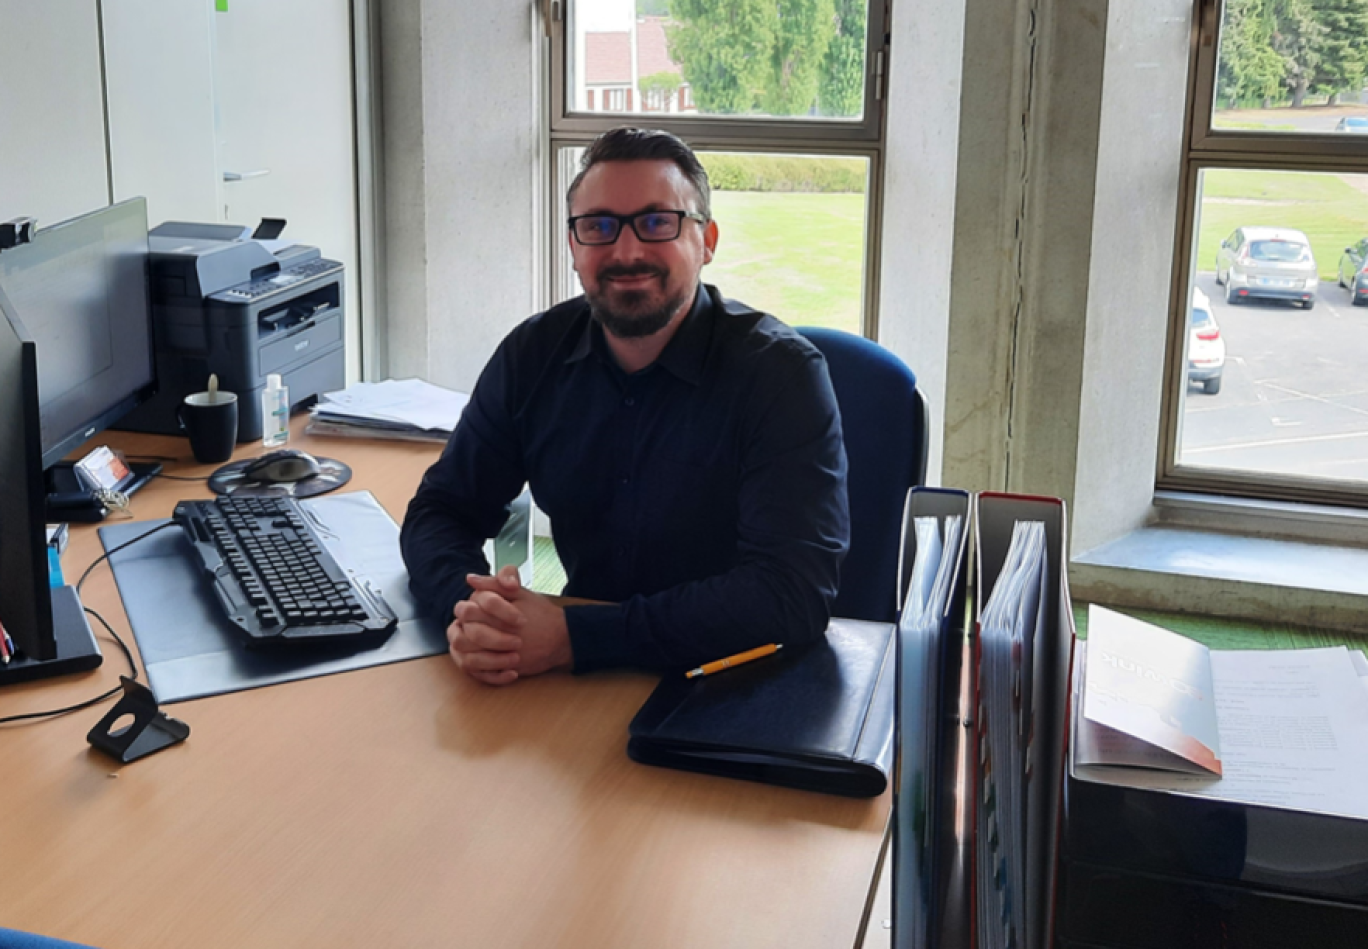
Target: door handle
244, 175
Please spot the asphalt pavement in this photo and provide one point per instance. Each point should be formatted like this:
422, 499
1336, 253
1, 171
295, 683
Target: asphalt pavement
1294, 398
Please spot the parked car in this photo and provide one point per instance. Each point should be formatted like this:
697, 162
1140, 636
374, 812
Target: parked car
1270, 262
1354, 124
1352, 265
1206, 349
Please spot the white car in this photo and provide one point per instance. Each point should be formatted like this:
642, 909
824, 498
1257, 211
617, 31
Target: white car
1206, 349
1273, 263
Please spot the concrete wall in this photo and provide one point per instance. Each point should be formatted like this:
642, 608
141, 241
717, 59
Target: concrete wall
921, 154
1139, 144
461, 150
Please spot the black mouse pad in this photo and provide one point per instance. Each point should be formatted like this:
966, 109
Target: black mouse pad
190, 650
230, 480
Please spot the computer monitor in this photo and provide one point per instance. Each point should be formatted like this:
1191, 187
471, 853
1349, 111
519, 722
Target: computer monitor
80, 289
75, 355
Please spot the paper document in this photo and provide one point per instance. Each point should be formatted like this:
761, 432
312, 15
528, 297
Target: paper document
1147, 698
1009, 628
397, 404
1293, 727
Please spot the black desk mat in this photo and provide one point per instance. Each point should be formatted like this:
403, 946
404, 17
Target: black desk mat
189, 648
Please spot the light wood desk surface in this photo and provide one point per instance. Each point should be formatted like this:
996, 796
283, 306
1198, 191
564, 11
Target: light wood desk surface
402, 805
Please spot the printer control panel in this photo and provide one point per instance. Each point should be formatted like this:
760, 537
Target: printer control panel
281, 280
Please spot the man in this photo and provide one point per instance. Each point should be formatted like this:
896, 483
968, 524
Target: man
687, 450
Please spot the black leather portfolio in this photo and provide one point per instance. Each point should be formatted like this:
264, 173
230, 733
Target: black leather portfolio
816, 717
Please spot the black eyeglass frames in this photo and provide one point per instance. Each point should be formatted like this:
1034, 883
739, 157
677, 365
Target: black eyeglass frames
651, 227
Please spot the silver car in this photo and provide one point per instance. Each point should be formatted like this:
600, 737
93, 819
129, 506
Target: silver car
1274, 263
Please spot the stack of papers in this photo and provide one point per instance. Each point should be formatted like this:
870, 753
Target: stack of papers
1279, 728
395, 408
1010, 632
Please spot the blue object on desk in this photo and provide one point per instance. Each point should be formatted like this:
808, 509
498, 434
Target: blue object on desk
55, 568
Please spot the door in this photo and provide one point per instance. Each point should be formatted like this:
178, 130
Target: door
228, 111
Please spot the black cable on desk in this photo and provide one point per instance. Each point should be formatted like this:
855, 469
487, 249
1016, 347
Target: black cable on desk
128, 653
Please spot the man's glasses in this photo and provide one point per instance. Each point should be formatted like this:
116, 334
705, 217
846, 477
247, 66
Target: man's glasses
651, 227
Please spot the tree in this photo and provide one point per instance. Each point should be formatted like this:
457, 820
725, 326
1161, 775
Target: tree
653, 7
722, 47
841, 89
803, 32
741, 56
1296, 37
1248, 69
1343, 56
657, 88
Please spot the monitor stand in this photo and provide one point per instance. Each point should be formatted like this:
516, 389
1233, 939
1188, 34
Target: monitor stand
76, 647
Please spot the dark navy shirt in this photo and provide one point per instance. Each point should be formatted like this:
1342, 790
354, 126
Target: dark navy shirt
704, 497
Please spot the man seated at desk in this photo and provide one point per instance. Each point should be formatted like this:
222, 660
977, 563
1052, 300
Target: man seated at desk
686, 448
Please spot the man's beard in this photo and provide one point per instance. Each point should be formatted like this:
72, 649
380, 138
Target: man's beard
633, 317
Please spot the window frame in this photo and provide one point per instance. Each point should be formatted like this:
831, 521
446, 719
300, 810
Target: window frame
863, 138
1207, 148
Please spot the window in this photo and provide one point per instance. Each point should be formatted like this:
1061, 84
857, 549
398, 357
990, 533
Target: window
1268, 393
782, 99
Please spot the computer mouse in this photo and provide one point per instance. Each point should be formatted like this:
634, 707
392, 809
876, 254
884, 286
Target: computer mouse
282, 467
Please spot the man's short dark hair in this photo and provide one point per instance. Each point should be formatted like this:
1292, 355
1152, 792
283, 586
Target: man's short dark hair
629, 144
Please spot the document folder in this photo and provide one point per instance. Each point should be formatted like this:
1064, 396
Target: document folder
951, 867
1045, 691
930, 874
816, 717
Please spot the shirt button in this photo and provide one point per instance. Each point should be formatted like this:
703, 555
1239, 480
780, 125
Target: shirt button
629, 400
626, 481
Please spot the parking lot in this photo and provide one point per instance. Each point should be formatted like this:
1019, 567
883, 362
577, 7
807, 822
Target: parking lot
1295, 393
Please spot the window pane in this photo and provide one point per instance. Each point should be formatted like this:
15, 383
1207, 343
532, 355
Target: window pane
792, 234
754, 58
1275, 386
1293, 67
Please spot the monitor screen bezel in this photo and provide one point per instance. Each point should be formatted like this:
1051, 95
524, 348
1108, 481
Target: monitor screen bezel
64, 444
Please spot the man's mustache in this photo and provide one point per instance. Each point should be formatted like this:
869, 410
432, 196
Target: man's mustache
612, 271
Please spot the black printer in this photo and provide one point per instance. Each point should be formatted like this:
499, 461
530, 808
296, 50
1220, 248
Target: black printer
241, 308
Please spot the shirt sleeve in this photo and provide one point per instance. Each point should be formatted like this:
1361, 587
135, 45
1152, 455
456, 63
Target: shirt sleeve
463, 498
793, 532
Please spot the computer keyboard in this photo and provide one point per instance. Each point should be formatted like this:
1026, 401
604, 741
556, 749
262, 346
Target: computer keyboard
275, 579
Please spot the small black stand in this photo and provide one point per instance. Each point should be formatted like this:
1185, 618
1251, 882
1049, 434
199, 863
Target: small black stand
152, 729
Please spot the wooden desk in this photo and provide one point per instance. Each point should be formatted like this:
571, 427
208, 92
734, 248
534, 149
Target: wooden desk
404, 805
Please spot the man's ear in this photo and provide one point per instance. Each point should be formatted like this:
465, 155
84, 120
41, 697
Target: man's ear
709, 241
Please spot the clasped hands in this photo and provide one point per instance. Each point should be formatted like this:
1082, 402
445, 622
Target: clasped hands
504, 631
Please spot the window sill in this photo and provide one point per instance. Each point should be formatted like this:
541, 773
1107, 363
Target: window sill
1290, 563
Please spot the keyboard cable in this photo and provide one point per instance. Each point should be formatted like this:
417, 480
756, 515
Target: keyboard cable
128, 653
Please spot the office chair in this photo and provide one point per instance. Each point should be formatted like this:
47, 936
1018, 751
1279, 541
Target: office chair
886, 425
14, 939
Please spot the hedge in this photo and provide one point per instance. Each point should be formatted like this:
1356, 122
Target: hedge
738, 172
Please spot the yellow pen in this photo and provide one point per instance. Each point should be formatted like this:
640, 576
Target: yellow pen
759, 652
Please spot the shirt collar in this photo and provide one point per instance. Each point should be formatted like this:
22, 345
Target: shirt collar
685, 354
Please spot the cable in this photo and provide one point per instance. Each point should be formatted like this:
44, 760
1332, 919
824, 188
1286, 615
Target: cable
128, 653
180, 477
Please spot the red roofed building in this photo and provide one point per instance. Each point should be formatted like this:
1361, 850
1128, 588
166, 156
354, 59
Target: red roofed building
615, 62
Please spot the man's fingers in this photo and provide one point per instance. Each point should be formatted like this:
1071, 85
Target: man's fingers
474, 636
506, 581
497, 608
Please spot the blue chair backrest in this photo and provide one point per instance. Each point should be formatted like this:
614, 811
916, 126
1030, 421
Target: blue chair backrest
14, 939
884, 418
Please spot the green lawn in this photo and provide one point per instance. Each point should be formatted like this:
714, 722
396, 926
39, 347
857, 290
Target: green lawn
1332, 213
798, 256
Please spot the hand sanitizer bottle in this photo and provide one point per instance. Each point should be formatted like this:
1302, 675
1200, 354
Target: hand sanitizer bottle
275, 412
